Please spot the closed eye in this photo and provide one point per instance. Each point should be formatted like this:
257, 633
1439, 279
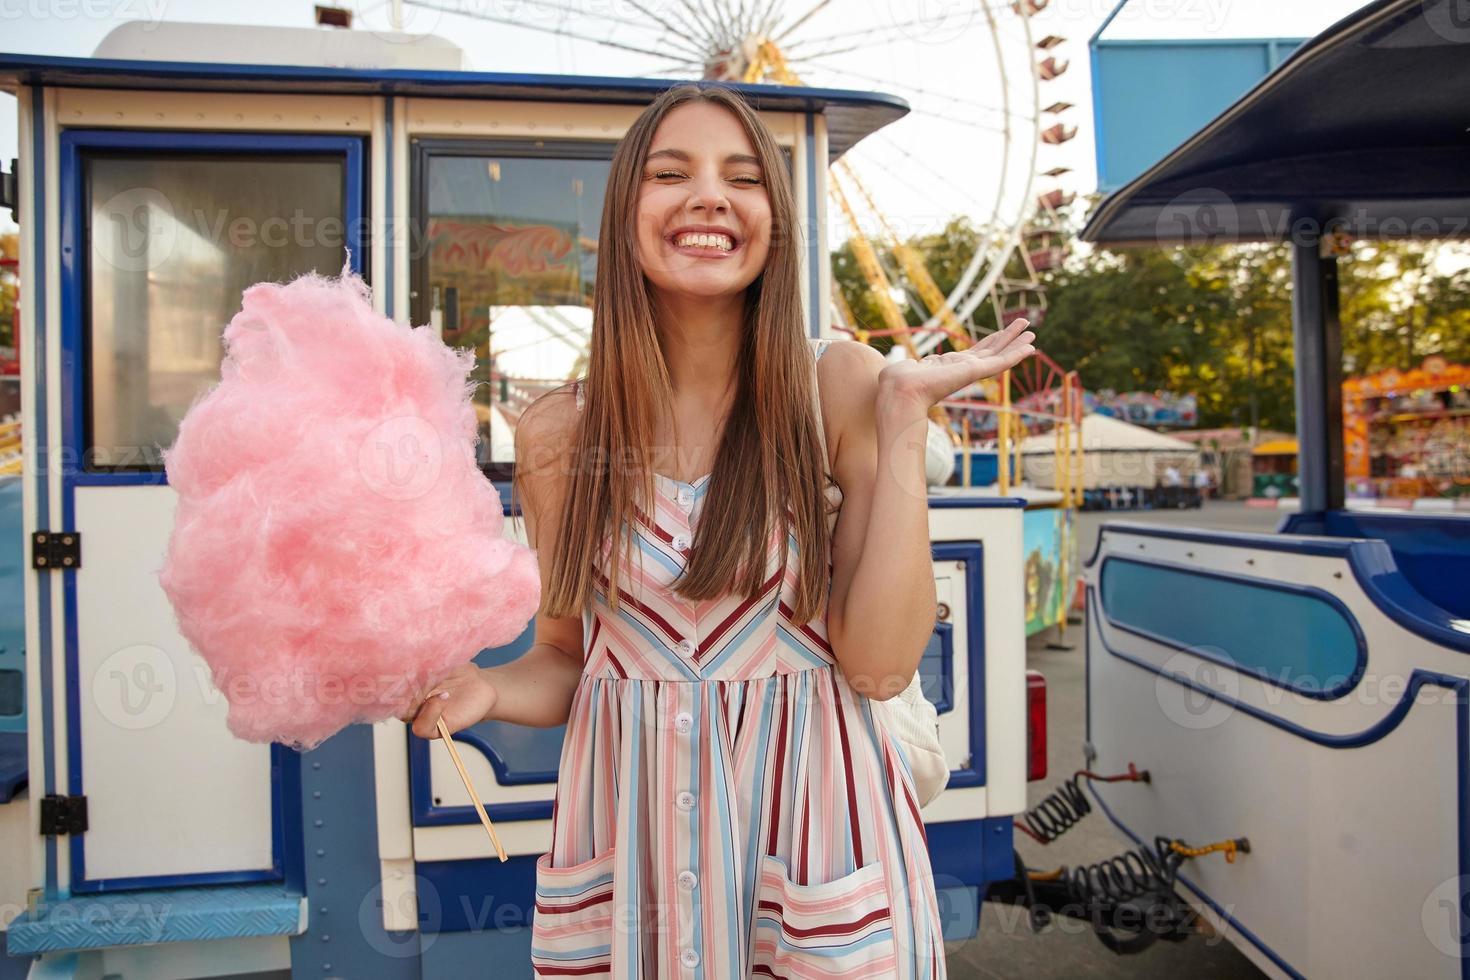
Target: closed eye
747, 179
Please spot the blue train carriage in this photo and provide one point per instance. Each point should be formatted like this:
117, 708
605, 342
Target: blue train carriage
1305, 690
142, 839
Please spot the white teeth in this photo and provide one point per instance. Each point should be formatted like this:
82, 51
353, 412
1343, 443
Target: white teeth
705, 240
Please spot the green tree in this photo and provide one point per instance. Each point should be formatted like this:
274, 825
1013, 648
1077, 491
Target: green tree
1212, 321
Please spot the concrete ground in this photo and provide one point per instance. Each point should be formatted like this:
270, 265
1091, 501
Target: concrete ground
1006, 948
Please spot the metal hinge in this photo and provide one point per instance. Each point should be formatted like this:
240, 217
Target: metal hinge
56, 549
63, 814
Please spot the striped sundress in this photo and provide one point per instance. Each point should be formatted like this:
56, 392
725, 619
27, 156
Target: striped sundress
726, 805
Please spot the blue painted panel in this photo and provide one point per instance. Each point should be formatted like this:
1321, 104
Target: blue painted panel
1389, 723
1298, 638
41, 424
456, 955
959, 912
158, 916
477, 894
972, 555
1432, 551
1151, 96
984, 467
518, 754
14, 764
337, 828
12, 608
971, 852
936, 668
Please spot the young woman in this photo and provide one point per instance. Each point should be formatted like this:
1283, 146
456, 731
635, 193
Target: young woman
728, 803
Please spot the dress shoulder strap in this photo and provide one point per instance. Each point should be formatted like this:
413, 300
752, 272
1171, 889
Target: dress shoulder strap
577, 388
819, 345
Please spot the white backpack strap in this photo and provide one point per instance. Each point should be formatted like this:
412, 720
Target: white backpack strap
819, 344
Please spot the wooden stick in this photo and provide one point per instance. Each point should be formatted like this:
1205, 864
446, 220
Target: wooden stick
479, 807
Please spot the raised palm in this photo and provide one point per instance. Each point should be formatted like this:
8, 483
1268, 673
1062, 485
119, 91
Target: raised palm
934, 377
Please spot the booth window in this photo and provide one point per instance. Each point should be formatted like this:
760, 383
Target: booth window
505, 256
174, 239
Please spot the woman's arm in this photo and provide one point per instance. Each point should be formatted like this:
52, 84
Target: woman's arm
536, 688
883, 603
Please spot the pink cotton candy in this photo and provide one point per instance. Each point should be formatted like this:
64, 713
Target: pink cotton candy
336, 548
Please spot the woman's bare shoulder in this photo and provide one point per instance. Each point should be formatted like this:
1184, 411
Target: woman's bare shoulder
847, 379
546, 431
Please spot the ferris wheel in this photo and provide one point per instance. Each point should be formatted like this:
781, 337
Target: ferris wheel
972, 146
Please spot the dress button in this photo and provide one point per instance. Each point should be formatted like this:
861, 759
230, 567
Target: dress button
685, 647
689, 958
685, 801
685, 498
683, 721
681, 543
687, 880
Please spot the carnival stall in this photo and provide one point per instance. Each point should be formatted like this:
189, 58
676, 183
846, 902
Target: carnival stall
1225, 453
1406, 434
1273, 469
1121, 464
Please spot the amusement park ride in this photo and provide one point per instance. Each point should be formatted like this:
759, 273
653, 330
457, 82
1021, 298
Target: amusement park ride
123, 789
141, 840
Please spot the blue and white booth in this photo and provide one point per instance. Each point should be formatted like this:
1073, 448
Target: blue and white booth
1307, 690
154, 184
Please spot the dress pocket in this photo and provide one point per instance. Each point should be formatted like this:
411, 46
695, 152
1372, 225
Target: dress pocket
572, 927
841, 928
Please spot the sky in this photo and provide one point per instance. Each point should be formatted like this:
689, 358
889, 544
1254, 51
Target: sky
948, 156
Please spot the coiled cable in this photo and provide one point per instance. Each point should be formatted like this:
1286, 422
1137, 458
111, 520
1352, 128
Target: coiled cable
1065, 807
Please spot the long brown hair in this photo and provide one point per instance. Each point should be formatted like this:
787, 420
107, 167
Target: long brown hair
768, 472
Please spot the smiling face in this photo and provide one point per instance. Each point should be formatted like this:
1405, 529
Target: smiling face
703, 212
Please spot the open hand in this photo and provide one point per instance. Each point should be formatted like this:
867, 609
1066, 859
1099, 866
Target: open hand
934, 377
463, 697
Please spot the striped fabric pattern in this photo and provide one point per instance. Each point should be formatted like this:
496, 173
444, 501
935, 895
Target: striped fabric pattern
727, 806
